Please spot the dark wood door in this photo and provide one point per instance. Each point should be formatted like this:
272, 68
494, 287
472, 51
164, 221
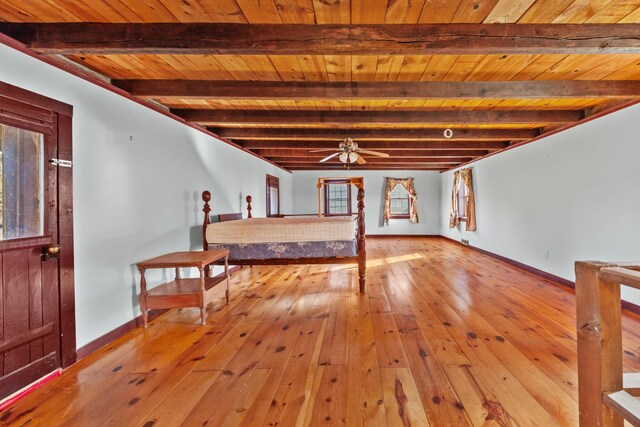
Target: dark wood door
273, 196
30, 345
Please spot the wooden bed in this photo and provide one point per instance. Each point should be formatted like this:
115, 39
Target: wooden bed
359, 258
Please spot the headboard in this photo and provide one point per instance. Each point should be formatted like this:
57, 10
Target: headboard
229, 217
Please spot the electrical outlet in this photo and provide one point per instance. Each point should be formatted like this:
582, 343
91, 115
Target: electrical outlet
464, 242
546, 254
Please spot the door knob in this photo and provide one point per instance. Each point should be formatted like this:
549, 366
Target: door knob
51, 252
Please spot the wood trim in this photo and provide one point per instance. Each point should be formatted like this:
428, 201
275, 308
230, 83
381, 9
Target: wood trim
9, 91
329, 39
116, 333
65, 240
132, 324
326, 117
77, 72
626, 305
533, 270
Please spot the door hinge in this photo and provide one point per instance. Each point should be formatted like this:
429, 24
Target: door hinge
61, 163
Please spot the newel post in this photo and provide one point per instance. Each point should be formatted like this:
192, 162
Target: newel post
362, 251
206, 197
249, 207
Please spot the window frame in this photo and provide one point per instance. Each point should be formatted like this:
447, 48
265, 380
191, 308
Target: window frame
400, 216
327, 205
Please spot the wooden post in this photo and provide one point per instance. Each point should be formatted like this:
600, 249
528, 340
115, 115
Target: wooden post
201, 296
362, 251
589, 327
248, 199
206, 197
319, 202
611, 342
143, 297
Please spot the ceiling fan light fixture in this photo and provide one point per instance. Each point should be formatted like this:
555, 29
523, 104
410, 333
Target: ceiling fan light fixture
348, 157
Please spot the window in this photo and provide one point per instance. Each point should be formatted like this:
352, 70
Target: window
337, 198
21, 183
462, 201
399, 202
400, 199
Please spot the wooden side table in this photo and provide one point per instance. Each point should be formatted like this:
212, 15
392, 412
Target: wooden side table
182, 292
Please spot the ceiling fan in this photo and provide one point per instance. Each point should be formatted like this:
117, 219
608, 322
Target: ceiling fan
349, 152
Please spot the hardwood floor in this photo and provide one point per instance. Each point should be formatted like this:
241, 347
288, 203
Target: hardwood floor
443, 336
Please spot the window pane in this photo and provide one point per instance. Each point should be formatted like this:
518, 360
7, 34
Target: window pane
21, 183
399, 201
462, 200
337, 199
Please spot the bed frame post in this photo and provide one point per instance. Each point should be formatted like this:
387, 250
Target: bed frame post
362, 251
206, 197
249, 207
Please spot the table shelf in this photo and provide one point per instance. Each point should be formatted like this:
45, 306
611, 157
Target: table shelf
182, 292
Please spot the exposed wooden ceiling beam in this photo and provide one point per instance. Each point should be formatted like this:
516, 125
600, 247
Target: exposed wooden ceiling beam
379, 145
373, 159
377, 134
333, 117
339, 39
266, 90
366, 166
406, 153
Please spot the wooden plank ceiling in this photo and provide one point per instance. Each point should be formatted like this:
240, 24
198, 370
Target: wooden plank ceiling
283, 77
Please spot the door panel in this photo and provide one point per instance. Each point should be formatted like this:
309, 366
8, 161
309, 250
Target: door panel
30, 343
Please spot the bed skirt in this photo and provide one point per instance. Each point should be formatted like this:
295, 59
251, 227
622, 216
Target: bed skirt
291, 250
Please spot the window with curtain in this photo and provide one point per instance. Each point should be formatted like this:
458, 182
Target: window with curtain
463, 205
399, 199
398, 202
337, 198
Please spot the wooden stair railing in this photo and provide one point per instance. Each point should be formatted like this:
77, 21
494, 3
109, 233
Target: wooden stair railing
607, 397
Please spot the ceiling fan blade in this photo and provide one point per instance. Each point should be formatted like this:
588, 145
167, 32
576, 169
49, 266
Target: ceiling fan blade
375, 153
360, 160
322, 149
329, 157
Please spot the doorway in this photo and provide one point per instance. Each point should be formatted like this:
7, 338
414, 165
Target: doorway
37, 334
273, 196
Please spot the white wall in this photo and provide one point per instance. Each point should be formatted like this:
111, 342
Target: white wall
573, 194
427, 183
134, 199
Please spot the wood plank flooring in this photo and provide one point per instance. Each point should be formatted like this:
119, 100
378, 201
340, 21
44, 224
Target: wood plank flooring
444, 336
